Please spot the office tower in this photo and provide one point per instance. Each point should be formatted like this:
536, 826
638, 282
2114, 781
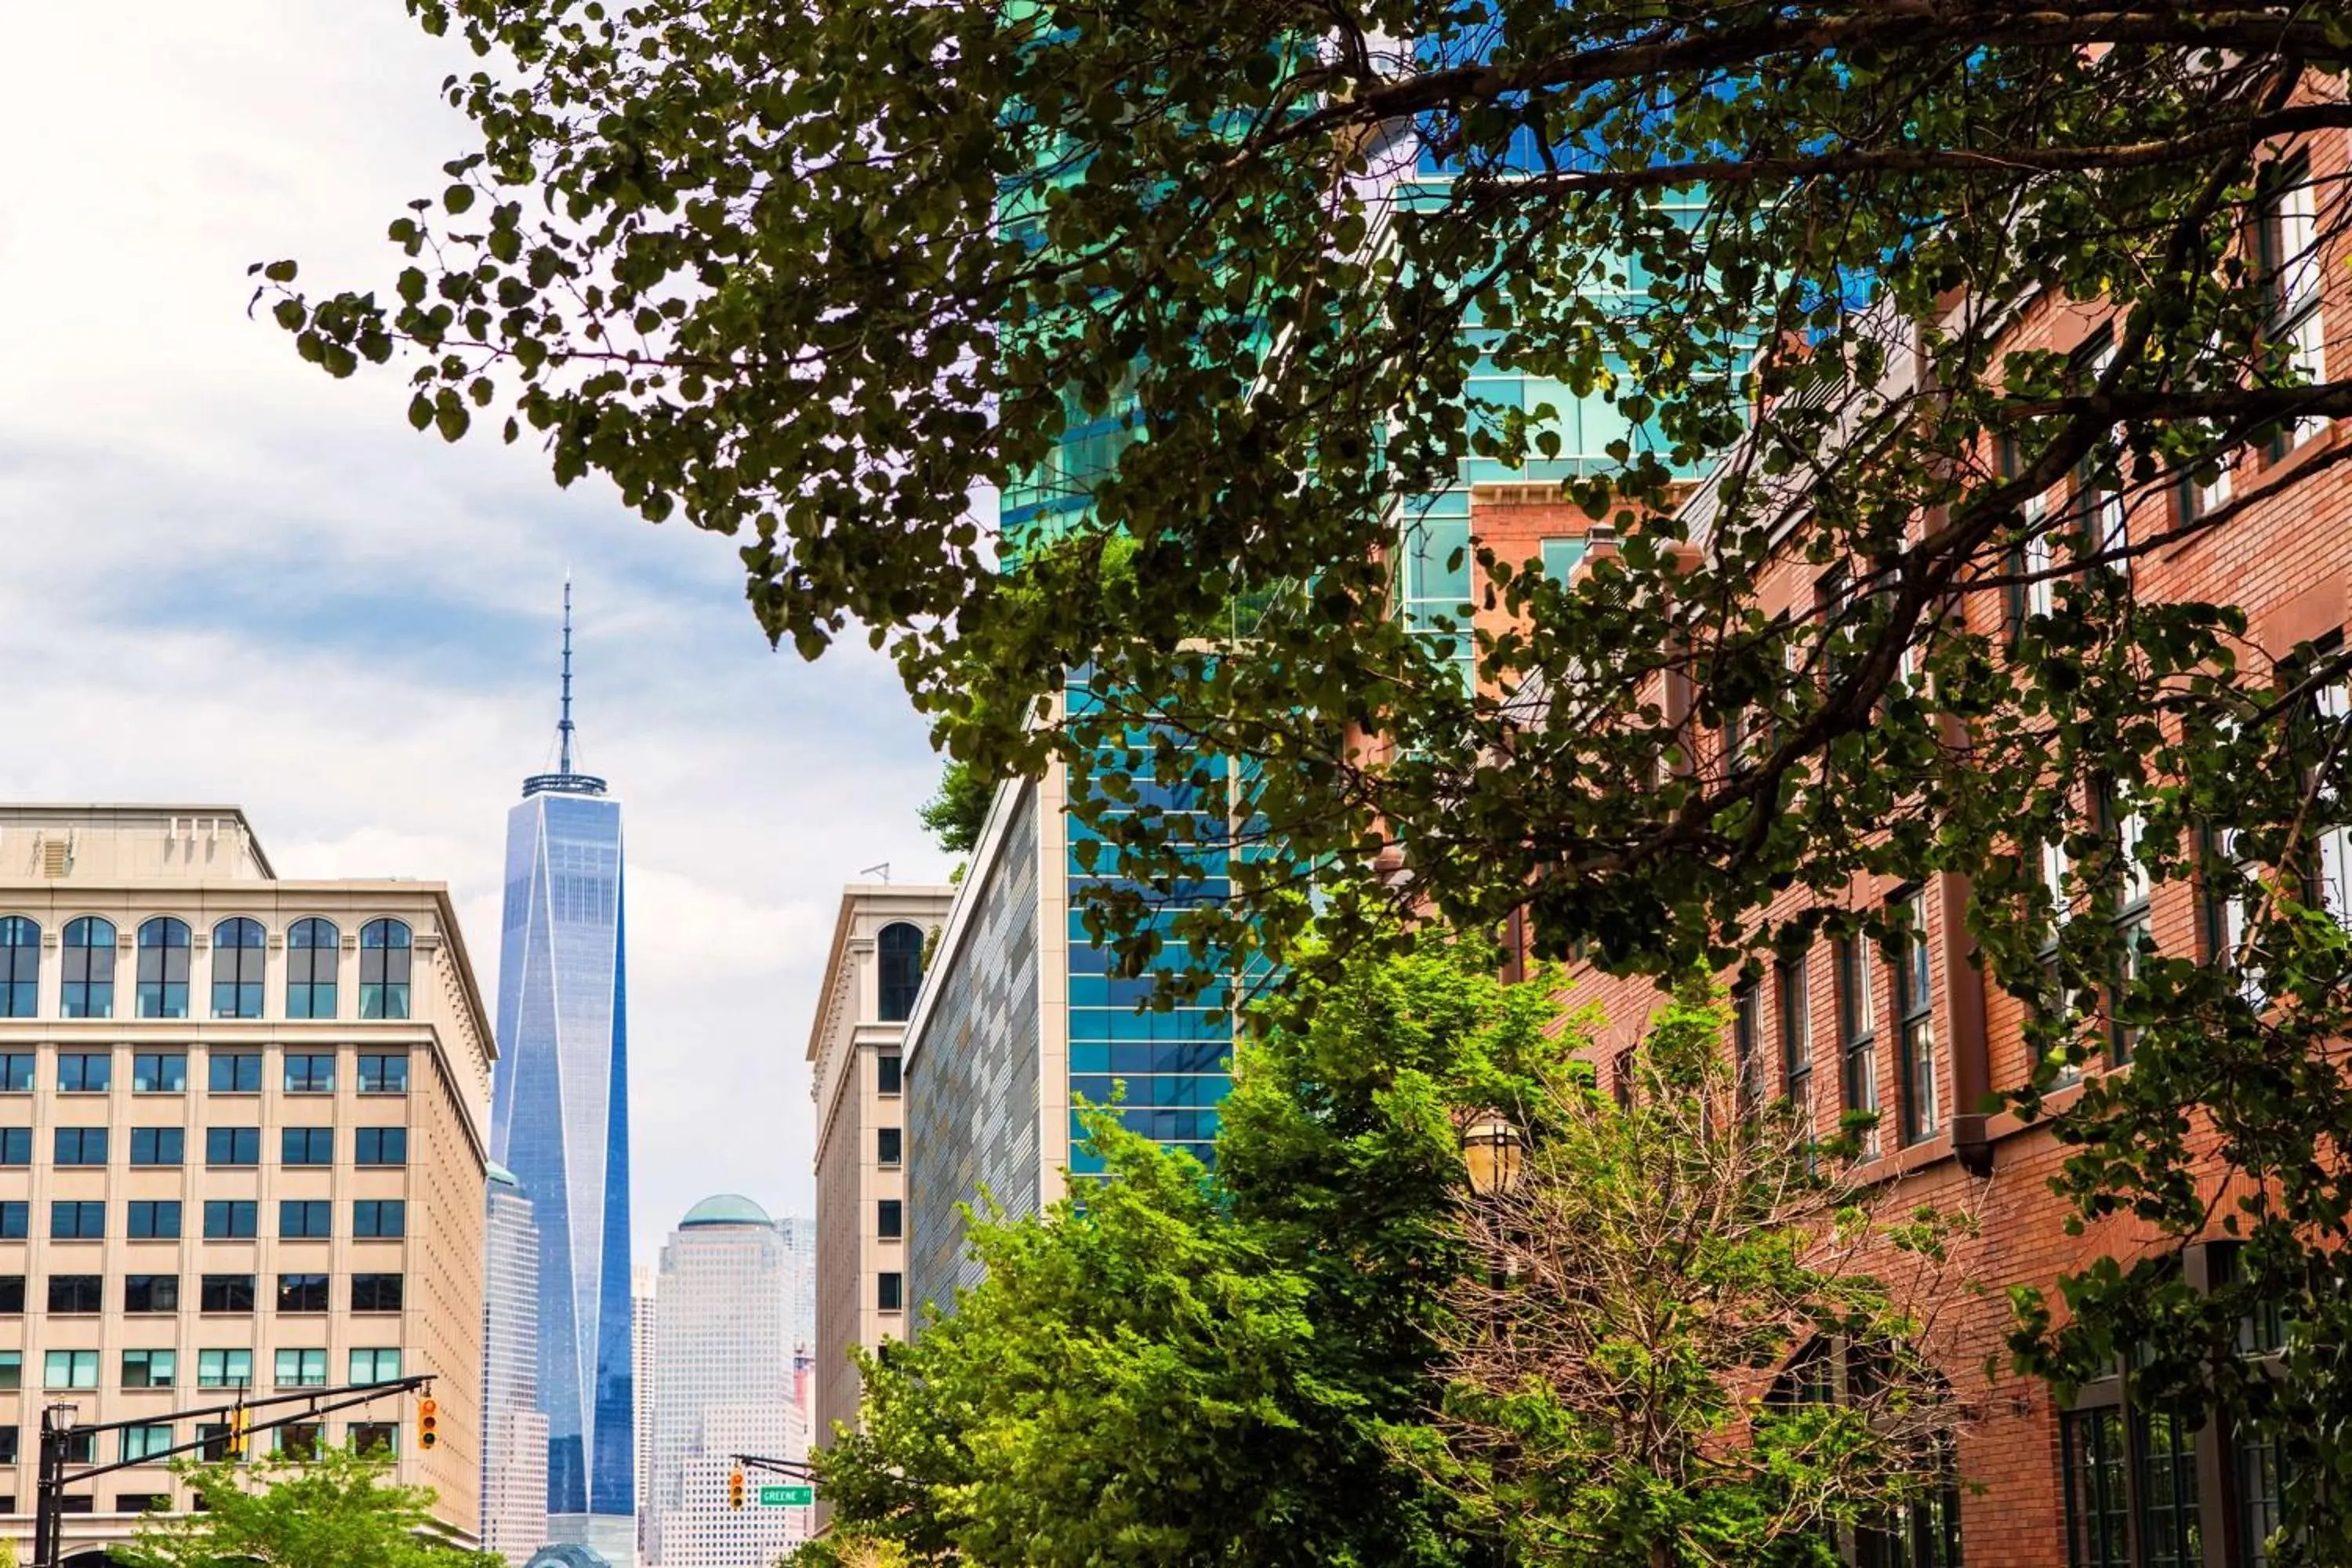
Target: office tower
561, 1123
641, 1366
723, 1334
514, 1428
873, 974
241, 1125
799, 1233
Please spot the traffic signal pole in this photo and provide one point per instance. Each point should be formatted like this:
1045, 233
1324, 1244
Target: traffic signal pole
794, 1469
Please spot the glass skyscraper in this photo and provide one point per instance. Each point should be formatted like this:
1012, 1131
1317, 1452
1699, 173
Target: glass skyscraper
560, 1122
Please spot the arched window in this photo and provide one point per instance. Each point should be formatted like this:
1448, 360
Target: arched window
20, 966
163, 968
384, 970
900, 948
90, 968
1905, 1401
310, 960
237, 968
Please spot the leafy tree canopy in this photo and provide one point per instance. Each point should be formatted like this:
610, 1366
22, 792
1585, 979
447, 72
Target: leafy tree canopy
337, 1510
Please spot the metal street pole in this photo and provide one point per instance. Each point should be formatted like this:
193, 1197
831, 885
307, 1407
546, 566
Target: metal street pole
47, 1513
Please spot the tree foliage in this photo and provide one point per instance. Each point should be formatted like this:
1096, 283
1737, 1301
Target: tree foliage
957, 813
336, 1510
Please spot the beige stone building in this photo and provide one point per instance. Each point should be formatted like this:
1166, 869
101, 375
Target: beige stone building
873, 975
241, 1147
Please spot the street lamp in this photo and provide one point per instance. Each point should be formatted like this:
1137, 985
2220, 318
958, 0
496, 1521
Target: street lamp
1492, 1152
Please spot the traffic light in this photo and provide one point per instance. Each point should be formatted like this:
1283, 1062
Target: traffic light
239, 1422
429, 1423
735, 1490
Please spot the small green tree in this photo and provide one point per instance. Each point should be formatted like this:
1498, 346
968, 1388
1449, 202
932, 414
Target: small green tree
957, 813
339, 1510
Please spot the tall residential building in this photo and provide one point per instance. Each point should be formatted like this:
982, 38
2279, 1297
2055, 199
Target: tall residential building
514, 1428
561, 1123
242, 1146
873, 975
641, 1366
723, 1334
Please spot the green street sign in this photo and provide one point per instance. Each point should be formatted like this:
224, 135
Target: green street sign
787, 1497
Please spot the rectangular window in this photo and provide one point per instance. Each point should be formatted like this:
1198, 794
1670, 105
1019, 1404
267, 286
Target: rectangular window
2291, 256
151, 1293
1560, 557
16, 1220
231, 1219
85, 1072
375, 1365
12, 1295
2134, 936
301, 1292
12, 1371
887, 1291
1914, 999
225, 1293
15, 1145
214, 1436
302, 1368
888, 1144
1746, 1026
234, 1072
310, 1074
380, 1146
150, 1369
16, 1072
80, 1145
300, 1439
69, 1369
1858, 1027
154, 1219
305, 1146
375, 1292
232, 1146
77, 1295
305, 1218
2262, 1475
73, 1220
143, 1443
1796, 1039
384, 1074
379, 1438
159, 1145
2170, 1533
380, 1217
159, 1072
889, 1219
223, 1369
886, 1074
2098, 1515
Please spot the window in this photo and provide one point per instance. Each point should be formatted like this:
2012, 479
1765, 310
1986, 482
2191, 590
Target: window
383, 1075
214, 1436
85, 1072
80, 1145
69, 1369
141, 1443
163, 968
384, 970
1746, 1025
11, 1375
74, 1220
305, 1219
302, 1368
15, 1145
381, 1145
2291, 256
1560, 557
232, 1145
301, 1292
1796, 1039
2099, 511
1923, 1532
159, 1072
312, 956
889, 1219
300, 1439
20, 966
886, 1074
12, 1295
234, 1072
1858, 1027
16, 1220
898, 958
2134, 937
375, 1292
155, 1219
2123, 1468
888, 1290
230, 1220
310, 1074
16, 1072
1914, 999
238, 947
142, 1502
380, 1217
151, 1293
224, 1369
159, 1145
380, 1366
150, 1369
889, 1145
379, 1438
305, 1146
227, 1293
89, 989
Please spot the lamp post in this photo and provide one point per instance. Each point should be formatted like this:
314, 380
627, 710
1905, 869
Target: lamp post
1493, 1152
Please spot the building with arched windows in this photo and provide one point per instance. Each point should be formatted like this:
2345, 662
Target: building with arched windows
243, 1146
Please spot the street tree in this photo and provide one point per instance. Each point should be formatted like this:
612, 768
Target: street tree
335, 1509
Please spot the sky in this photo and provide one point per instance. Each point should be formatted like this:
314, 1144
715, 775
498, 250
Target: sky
226, 578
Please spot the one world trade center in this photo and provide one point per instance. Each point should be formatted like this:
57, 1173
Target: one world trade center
560, 1123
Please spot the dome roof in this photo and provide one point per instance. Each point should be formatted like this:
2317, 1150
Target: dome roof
566, 1556
726, 1209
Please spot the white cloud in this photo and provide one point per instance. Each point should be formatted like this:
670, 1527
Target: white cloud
225, 577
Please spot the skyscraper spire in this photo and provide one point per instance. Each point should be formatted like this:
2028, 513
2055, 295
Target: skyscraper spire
564, 781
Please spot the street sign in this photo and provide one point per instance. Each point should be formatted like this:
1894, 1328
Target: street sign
787, 1497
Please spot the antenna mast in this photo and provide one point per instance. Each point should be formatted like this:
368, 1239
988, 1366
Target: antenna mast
563, 727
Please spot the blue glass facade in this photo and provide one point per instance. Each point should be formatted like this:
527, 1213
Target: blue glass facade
560, 1122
